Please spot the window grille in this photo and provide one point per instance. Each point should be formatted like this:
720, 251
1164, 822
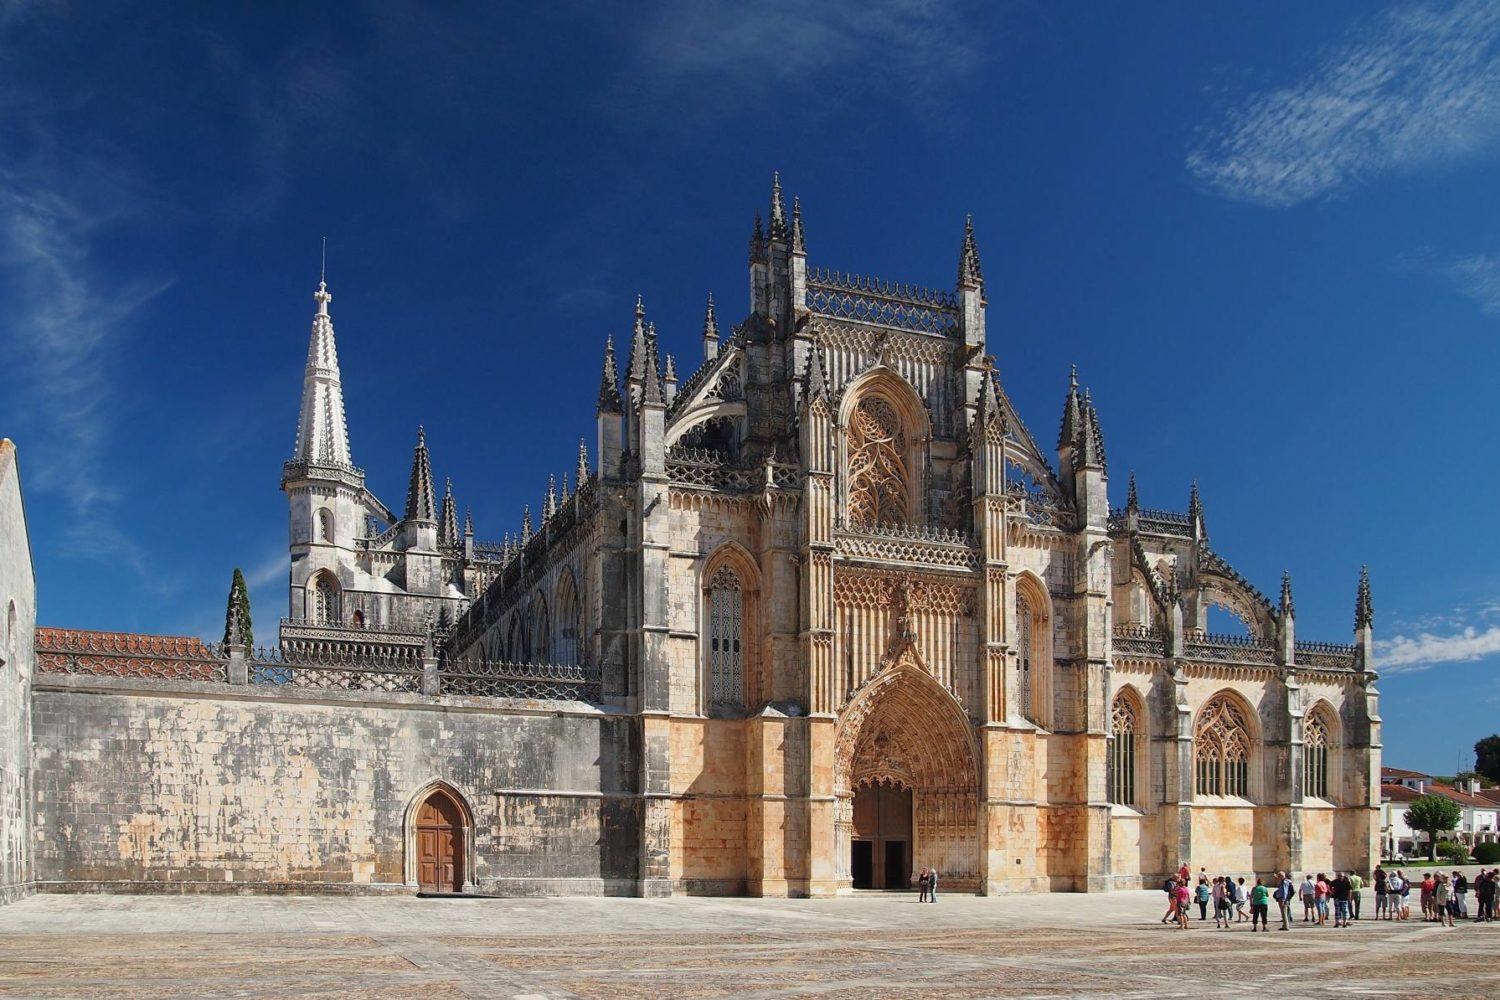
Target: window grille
726, 641
1315, 755
1122, 753
1221, 750
325, 601
877, 466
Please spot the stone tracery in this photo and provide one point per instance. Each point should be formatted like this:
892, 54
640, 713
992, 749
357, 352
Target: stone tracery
1221, 749
878, 476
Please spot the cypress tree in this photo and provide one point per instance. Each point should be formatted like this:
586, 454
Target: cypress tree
239, 601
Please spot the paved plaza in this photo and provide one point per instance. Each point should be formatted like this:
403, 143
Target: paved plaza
868, 945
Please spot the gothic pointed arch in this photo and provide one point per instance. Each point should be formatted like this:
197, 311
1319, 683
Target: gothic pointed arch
325, 599
1225, 747
435, 813
730, 591
904, 728
1128, 738
886, 428
1320, 741
1032, 642
541, 630
568, 648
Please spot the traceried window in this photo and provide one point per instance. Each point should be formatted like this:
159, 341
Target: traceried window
568, 628
1221, 750
325, 602
1315, 755
1122, 752
325, 524
1024, 654
541, 633
878, 476
726, 639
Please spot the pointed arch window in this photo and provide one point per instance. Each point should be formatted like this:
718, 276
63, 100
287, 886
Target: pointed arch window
1123, 727
726, 639
541, 633
1315, 755
568, 626
325, 524
325, 600
1025, 651
879, 480
1221, 750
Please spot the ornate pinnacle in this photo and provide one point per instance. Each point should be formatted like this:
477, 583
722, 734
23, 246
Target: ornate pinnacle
1132, 500
799, 238
970, 274
583, 463
420, 505
988, 410
1092, 450
549, 506
710, 321
609, 381
671, 375
654, 392
1288, 610
1072, 421
758, 243
1364, 609
562, 492
778, 210
468, 522
525, 524
1195, 511
816, 378
448, 520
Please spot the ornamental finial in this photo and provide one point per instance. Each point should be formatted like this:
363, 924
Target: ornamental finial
583, 463
1132, 500
1288, 609
970, 275
799, 237
1364, 608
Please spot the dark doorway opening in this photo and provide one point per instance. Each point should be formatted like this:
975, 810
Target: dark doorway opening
862, 864
883, 830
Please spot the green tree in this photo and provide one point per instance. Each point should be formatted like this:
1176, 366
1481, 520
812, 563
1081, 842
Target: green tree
1433, 814
237, 613
1487, 757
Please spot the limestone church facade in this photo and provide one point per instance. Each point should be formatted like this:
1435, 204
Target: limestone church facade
859, 619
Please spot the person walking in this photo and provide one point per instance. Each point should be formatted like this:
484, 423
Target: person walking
1170, 888
1356, 890
924, 885
1241, 900
1221, 909
1322, 893
1259, 896
1183, 893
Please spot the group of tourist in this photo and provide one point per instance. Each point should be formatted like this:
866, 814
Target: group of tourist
1443, 898
927, 883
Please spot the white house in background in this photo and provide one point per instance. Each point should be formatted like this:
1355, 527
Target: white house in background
1479, 822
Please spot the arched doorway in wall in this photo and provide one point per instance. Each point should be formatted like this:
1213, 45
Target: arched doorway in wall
439, 843
905, 749
880, 845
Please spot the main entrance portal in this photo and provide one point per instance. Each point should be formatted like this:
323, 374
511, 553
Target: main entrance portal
881, 857
440, 844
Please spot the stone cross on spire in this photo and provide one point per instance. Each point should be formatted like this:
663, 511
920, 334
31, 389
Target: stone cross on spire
322, 435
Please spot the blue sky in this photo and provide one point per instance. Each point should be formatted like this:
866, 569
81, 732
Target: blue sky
1268, 234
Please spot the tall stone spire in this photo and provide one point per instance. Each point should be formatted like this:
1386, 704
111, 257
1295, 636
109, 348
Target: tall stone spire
420, 505
1364, 610
1132, 498
609, 381
1091, 438
448, 518
969, 273
778, 209
1072, 421
799, 237
710, 331
322, 435
1195, 513
1287, 608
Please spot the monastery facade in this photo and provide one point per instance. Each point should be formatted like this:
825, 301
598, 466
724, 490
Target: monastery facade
818, 615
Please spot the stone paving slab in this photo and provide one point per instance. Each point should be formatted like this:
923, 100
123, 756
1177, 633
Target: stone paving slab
867, 945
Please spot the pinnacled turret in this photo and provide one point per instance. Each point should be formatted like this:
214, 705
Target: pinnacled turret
448, 518
468, 534
420, 504
581, 474
815, 380
971, 294
610, 416
322, 435
710, 331
1195, 515
1286, 620
669, 381
1068, 433
562, 491
799, 237
549, 505
525, 524
778, 209
1132, 498
1364, 624
987, 445
635, 374
1091, 438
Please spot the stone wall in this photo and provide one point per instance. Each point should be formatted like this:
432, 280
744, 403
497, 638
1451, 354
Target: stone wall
182, 786
17, 660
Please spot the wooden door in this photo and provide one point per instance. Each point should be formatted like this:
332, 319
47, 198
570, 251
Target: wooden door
440, 840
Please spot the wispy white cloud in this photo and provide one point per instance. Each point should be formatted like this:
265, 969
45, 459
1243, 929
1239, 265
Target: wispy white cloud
1427, 648
1413, 87
1476, 277
913, 51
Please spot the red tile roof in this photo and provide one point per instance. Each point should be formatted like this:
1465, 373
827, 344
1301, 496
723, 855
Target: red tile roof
1399, 793
1462, 798
1389, 773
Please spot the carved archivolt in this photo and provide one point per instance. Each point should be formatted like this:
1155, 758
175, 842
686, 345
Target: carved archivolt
878, 476
905, 727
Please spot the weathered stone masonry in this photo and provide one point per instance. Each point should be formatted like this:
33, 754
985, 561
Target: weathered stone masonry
17, 619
